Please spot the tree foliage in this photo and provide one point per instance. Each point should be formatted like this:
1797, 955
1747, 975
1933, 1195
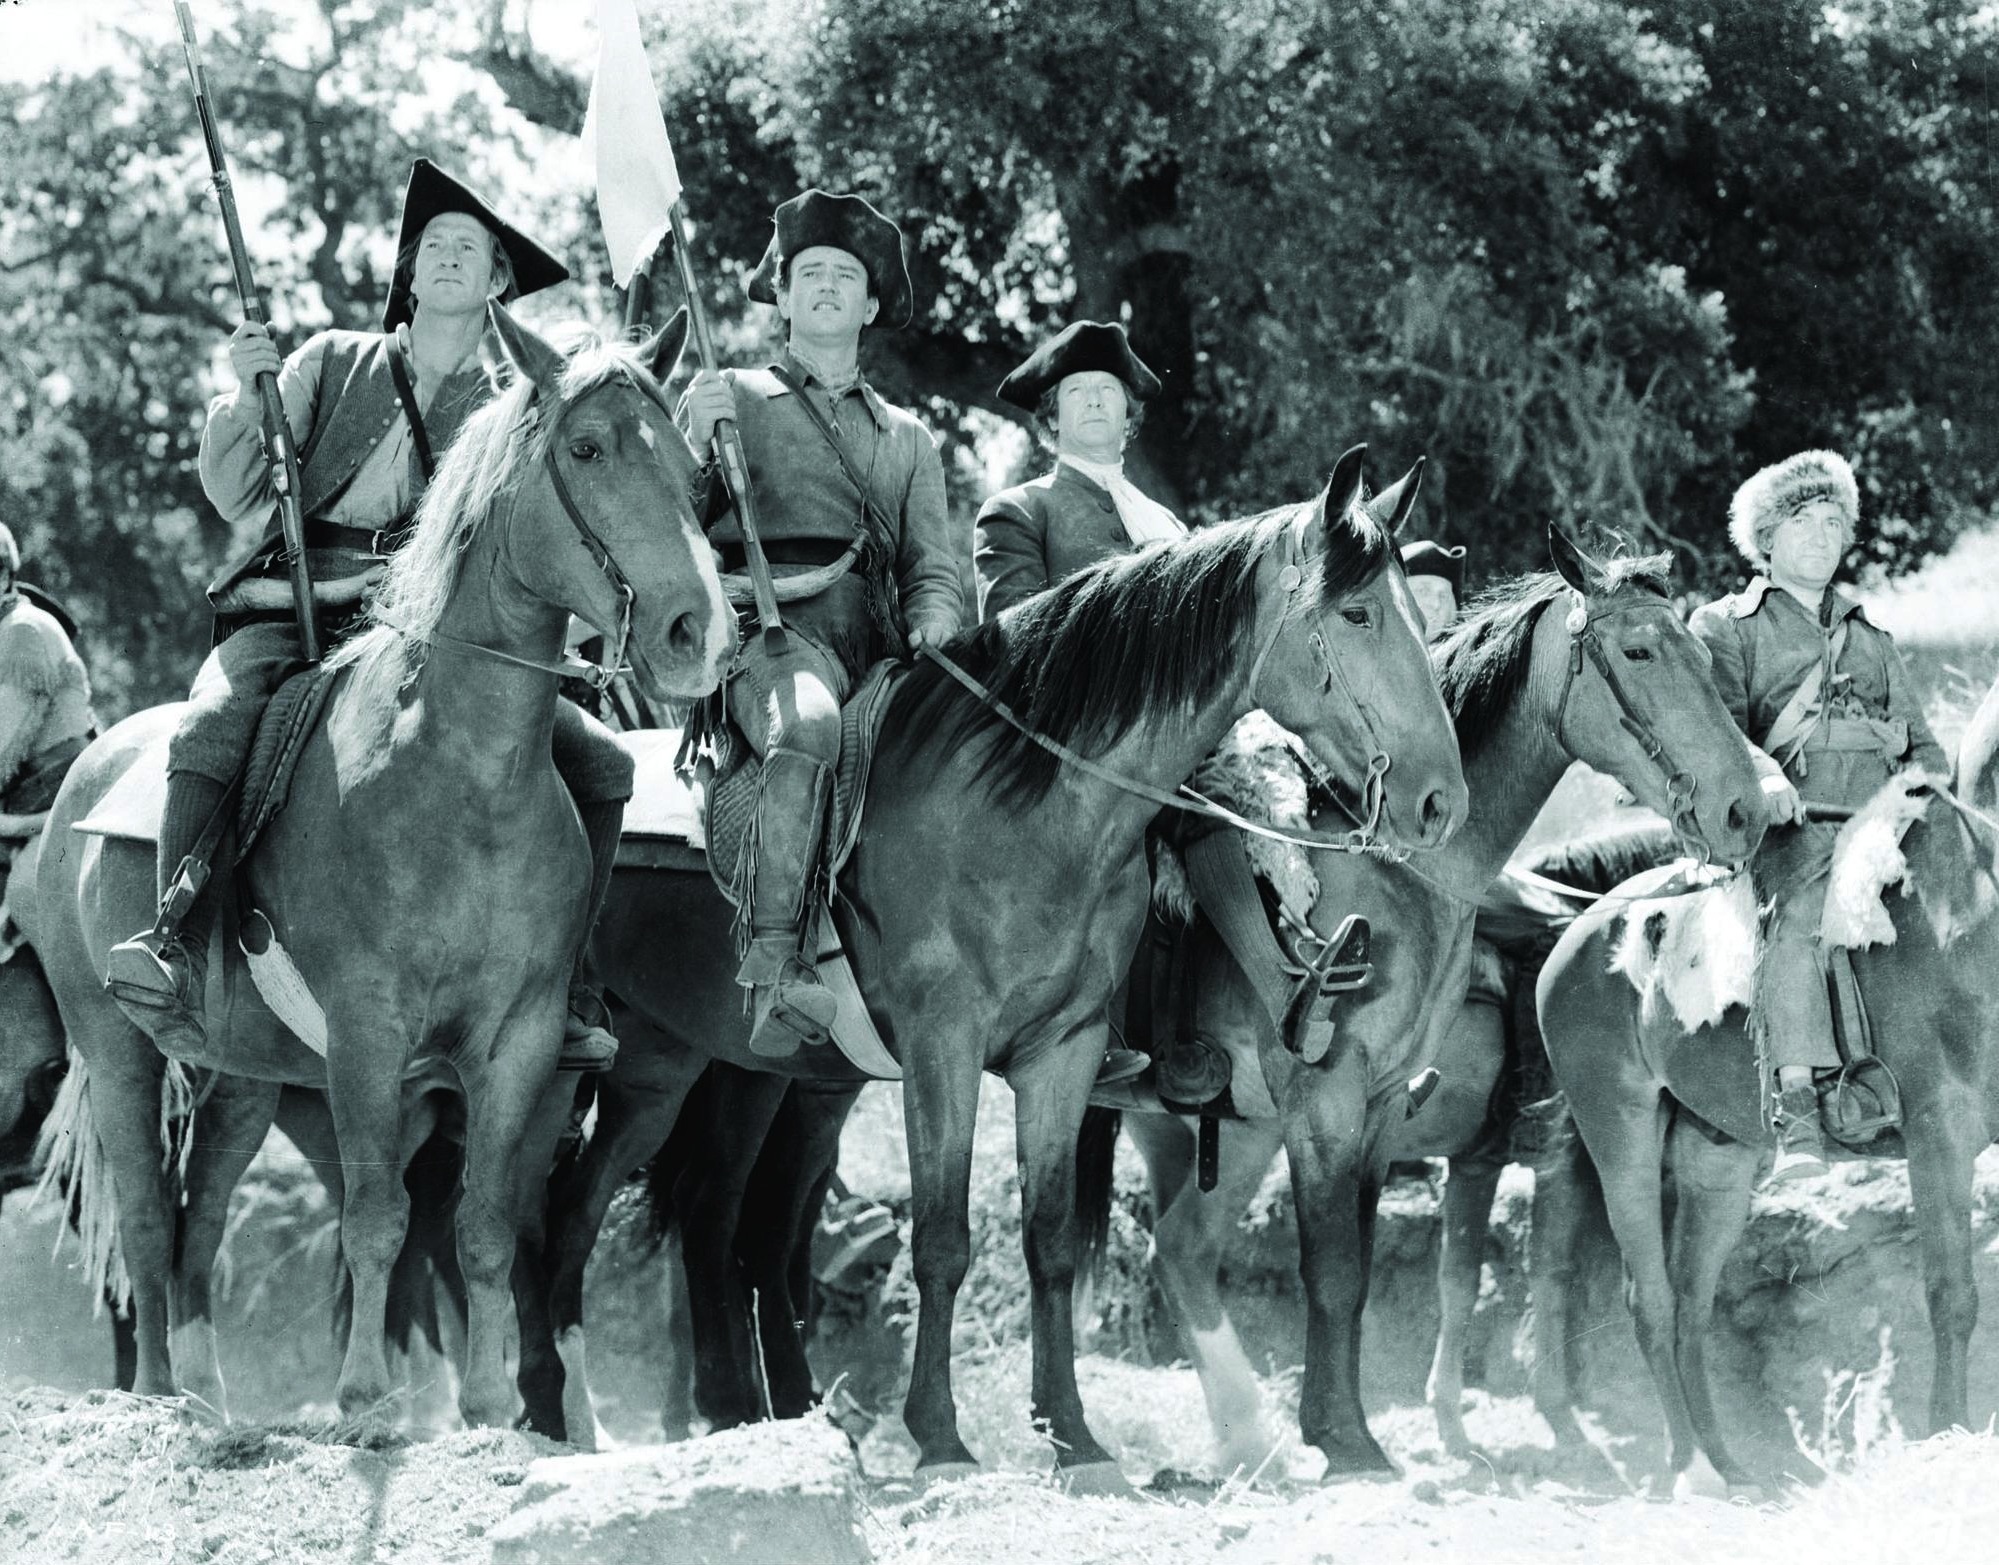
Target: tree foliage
1597, 261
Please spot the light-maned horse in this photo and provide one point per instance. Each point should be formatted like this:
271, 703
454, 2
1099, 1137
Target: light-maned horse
1648, 1096
428, 875
996, 894
1588, 664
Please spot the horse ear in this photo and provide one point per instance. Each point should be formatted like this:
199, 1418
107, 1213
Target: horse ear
662, 353
1391, 508
534, 359
1576, 567
1343, 488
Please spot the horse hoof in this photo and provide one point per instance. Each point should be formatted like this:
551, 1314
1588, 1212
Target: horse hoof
1368, 1463
1096, 1481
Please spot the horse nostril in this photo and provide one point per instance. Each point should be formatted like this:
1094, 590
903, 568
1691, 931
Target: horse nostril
1738, 818
682, 637
1435, 818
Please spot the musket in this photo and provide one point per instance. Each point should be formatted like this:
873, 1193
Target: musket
728, 444
277, 432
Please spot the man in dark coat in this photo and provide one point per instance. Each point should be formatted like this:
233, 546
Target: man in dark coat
370, 413
1087, 391
849, 495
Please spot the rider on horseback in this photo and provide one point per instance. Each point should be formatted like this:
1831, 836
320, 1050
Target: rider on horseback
45, 717
1827, 704
371, 413
850, 501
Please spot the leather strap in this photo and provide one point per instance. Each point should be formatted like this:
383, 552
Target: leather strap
870, 512
1801, 714
406, 394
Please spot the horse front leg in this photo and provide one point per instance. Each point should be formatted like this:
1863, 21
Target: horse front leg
364, 1075
1563, 1182
940, 1108
1326, 1135
503, 1086
1050, 1093
551, 1375
1944, 1134
1469, 1189
228, 1131
1189, 1239
1712, 1180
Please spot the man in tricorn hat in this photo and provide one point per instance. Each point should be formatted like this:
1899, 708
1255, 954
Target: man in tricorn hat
1087, 391
849, 495
1827, 705
371, 414
1436, 575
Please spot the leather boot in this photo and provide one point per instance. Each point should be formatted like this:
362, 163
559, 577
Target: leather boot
587, 1041
158, 977
1800, 1142
792, 1007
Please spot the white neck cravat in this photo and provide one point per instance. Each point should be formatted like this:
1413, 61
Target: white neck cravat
1145, 520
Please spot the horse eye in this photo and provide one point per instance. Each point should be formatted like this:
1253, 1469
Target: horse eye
1638, 654
585, 450
1355, 617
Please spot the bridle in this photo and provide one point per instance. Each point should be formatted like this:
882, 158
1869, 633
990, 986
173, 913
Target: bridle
1584, 641
1373, 785
597, 675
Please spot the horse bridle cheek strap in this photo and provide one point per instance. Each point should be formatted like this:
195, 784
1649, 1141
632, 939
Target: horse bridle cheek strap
1680, 785
599, 675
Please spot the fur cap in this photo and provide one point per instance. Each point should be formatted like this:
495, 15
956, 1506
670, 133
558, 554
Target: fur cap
1784, 488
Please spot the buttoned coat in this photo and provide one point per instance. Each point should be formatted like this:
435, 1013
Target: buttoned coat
1031, 536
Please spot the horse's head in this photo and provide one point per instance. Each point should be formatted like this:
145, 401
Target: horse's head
1342, 662
604, 526
32, 1062
1637, 701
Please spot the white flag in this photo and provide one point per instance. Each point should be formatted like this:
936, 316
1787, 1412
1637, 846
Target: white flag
637, 180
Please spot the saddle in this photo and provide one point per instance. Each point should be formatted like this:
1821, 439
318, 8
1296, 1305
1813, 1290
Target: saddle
132, 809
697, 817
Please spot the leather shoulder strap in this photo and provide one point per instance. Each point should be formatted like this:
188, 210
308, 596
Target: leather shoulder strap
406, 394
790, 383
1793, 725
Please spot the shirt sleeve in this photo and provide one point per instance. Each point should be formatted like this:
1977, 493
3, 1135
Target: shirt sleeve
30, 672
235, 473
1008, 555
1716, 629
933, 557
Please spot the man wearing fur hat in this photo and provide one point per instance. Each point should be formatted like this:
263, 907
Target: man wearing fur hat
850, 505
1087, 391
371, 414
1823, 696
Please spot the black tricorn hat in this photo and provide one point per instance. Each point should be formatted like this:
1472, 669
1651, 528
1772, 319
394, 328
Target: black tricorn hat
1424, 558
846, 223
431, 193
1085, 345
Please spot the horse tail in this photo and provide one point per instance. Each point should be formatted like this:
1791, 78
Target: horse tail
1096, 1155
75, 1173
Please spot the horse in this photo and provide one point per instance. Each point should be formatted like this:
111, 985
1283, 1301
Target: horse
998, 886
1647, 1095
427, 876
1587, 663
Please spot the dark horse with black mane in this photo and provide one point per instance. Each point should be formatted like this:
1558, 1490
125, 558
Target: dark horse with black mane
996, 893
1649, 1095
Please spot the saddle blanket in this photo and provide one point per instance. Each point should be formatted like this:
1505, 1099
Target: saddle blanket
674, 822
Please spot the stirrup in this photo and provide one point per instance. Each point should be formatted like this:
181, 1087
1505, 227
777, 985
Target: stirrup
139, 973
790, 1014
1121, 1065
1194, 1073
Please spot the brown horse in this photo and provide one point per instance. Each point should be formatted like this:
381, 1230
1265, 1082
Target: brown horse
996, 894
1590, 664
1648, 1096
428, 875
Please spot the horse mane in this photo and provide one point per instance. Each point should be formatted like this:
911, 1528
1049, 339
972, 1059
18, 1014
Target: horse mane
1121, 641
1484, 661
488, 459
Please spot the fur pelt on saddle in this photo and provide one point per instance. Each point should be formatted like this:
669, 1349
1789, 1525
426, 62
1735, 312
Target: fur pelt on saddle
1257, 772
1696, 949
